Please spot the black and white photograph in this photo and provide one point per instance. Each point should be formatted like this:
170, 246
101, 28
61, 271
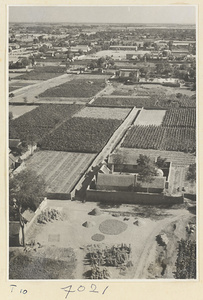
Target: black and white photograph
102, 142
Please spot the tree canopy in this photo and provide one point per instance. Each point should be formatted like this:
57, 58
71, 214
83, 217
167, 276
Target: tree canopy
28, 189
146, 168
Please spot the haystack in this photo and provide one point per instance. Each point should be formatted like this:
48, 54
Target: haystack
95, 212
88, 224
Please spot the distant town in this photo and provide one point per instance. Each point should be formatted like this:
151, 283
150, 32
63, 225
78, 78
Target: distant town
102, 151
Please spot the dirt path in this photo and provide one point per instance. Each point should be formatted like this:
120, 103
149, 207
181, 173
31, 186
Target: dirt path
147, 253
30, 92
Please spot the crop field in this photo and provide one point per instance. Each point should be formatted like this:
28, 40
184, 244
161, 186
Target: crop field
38, 122
163, 138
81, 135
150, 117
38, 76
60, 170
13, 88
103, 113
143, 101
13, 75
179, 139
180, 117
123, 102
43, 73
19, 110
146, 137
19, 84
76, 88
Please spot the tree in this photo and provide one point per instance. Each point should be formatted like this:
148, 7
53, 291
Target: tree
27, 188
160, 162
93, 65
119, 160
146, 168
25, 62
191, 173
100, 62
26, 191
44, 48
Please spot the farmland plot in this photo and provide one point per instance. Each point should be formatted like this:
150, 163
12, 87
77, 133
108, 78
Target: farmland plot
152, 101
124, 102
41, 120
61, 170
103, 113
163, 138
43, 73
78, 88
19, 110
180, 117
150, 117
81, 135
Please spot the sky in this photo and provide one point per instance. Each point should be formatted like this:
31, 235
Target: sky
103, 14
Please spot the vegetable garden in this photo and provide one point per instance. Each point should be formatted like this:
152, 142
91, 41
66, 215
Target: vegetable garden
81, 135
41, 120
79, 88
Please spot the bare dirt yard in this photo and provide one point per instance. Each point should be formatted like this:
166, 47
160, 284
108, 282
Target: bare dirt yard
135, 226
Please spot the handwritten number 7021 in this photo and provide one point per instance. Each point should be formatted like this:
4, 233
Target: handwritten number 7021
93, 289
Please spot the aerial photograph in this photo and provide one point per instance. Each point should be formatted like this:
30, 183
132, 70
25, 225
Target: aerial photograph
102, 143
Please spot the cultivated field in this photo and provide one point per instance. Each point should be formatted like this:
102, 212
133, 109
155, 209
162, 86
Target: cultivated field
60, 170
150, 117
76, 88
81, 135
121, 101
161, 138
19, 110
182, 117
103, 113
43, 73
38, 122
152, 101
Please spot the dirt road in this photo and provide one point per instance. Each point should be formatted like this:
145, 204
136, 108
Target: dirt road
30, 92
147, 254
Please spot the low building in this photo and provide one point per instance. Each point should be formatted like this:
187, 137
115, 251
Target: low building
125, 74
119, 182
